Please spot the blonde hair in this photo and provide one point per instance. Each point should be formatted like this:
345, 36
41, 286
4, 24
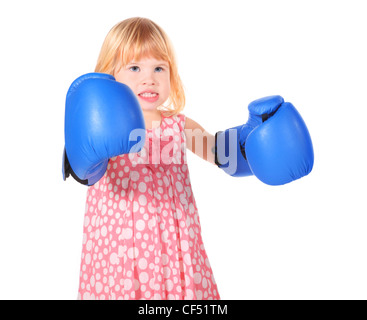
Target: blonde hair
136, 38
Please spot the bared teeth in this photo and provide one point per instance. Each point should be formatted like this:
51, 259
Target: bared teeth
148, 94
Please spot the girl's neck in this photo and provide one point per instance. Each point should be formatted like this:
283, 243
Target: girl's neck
152, 118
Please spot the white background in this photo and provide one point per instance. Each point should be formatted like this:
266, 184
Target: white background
304, 240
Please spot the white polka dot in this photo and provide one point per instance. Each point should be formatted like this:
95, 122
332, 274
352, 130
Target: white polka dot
111, 281
142, 200
134, 176
142, 187
99, 287
199, 294
114, 258
127, 233
140, 225
205, 283
187, 259
187, 280
165, 259
143, 263
178, 214
88, 258
125, 183
152, 283
197, 278
86, 221
179, 186
151, 224
89, 245
143, 277
189, 294
122, 205
184, 245
183, 200
191, 208
86, 296
169, 285
104, 231
133, 252
192, 233
164, 236
166, 272
127, 284
151, 208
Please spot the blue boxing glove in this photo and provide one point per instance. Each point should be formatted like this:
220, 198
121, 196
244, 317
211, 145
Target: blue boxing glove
274, 145
103, 119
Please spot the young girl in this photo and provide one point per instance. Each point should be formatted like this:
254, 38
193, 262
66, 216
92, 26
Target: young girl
142, 235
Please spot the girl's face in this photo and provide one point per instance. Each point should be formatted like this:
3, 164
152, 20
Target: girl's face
149, 79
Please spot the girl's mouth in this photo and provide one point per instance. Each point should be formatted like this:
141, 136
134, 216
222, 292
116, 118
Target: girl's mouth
149, 96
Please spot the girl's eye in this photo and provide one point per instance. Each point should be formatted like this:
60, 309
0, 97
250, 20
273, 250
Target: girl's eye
134, 69
158, 69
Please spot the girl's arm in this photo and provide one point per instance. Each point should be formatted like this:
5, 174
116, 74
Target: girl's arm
199, 141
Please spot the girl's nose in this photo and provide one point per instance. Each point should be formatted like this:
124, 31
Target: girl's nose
149, 79
149, 82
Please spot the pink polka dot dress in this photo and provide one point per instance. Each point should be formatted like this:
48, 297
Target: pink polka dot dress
142, 234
